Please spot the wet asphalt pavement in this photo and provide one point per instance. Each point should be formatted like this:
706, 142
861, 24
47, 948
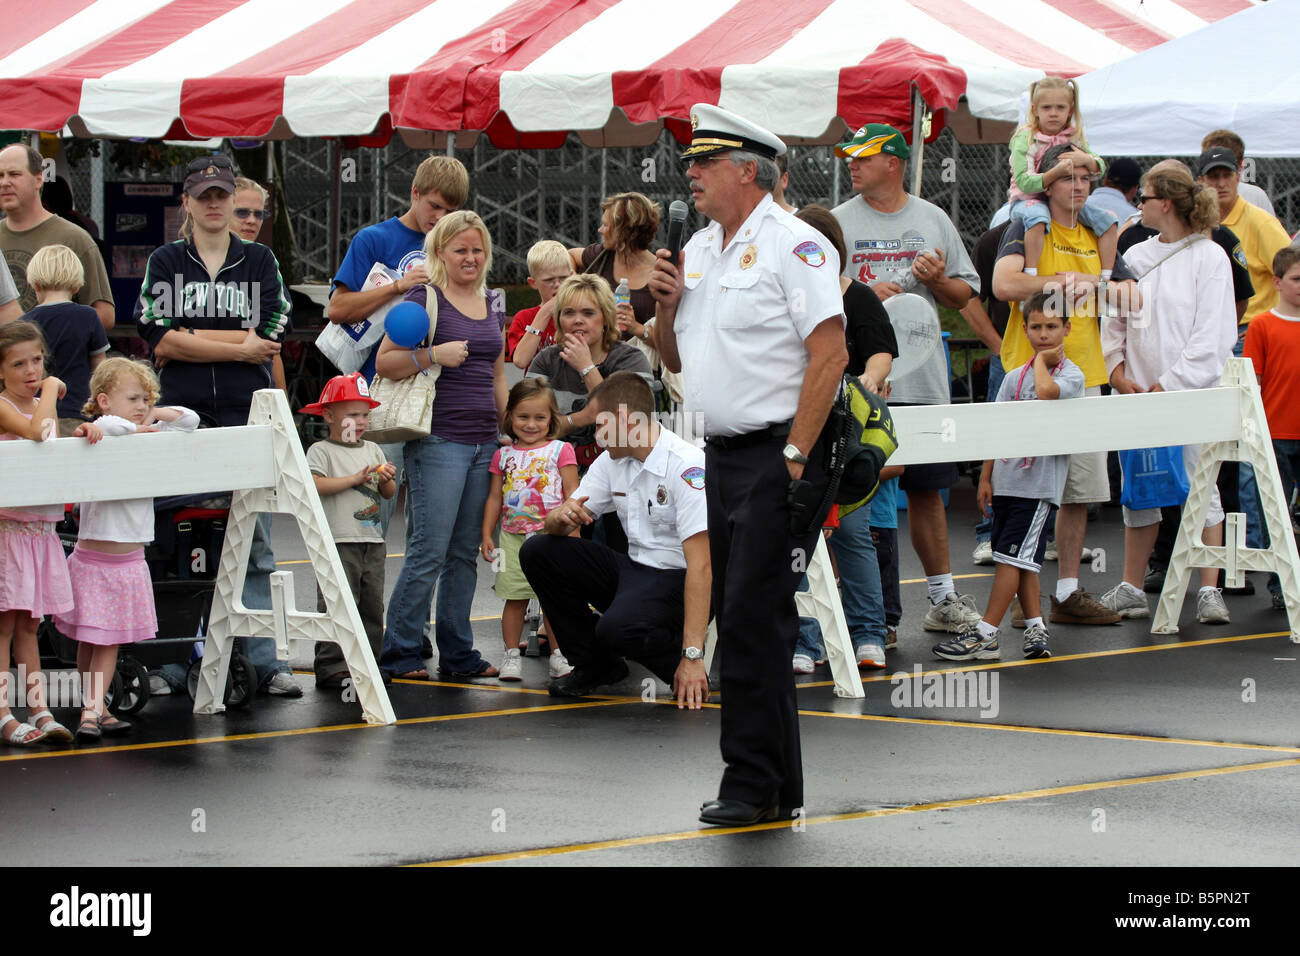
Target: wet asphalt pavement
1125, 748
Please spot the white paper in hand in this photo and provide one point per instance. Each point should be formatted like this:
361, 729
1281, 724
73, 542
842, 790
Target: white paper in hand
916, 327
347, 344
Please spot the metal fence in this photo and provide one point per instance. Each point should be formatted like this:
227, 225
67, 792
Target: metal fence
555, 194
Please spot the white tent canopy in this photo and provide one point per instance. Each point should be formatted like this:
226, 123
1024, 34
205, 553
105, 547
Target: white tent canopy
1241, 73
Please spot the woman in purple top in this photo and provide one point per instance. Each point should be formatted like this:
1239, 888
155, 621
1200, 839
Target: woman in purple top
447, 473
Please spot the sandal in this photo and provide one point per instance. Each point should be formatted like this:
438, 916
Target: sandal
23, 735
52, 728
420, 674
450, 675
88, 730
111, 726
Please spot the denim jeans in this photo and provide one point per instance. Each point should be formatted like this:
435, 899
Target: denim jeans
1287, 452
1248, 494
447, 485
864, 605
997, 373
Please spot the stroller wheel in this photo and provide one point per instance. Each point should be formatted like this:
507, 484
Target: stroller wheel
130, 689
241, 685
192, 682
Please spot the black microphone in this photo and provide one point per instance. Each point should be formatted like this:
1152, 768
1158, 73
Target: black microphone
676, 225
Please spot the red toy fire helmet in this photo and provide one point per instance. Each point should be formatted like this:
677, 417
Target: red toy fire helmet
341, 388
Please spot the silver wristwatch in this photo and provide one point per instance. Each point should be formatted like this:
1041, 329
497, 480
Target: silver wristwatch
693, 653
792, 453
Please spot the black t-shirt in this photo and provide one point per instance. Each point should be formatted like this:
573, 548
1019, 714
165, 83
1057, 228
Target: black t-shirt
1242, 287
984, 255
73, 333
868, 329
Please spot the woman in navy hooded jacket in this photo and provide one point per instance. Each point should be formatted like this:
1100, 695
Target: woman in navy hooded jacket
214, 311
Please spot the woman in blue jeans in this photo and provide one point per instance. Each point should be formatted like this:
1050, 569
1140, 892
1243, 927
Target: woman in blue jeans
447, 473
872, 349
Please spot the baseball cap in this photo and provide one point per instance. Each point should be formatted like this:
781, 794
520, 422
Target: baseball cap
341, 388
208, 171
1124, 172
1214, 157
872, 139
714, 130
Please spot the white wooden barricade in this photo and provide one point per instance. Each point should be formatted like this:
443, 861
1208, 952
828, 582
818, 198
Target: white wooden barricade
1228, 422
264, 465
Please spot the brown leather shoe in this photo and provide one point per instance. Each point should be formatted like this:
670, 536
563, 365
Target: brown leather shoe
1081, 608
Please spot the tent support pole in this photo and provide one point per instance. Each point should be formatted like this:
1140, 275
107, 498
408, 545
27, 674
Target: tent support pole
332, 226
451, 144
918, 138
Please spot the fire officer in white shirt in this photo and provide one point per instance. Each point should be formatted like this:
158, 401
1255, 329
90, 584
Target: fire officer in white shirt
752, 317
654, 600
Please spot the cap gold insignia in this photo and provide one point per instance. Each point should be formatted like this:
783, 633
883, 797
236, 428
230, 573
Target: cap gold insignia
749, 258
210, 171
695, 121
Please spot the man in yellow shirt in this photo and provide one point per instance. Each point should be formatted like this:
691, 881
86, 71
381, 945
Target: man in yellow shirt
1261, 235
1070, 265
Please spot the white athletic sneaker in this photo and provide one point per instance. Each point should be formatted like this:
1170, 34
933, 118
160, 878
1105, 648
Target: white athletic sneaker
871, 655
512, 668
803, 664
1210, 608
951, 613
983, 553
559, 666
1126, 601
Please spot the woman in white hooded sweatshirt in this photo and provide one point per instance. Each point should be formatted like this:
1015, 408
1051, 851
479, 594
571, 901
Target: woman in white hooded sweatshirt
1179, 340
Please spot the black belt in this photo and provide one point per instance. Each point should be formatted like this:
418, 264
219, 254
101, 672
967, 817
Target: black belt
732, 442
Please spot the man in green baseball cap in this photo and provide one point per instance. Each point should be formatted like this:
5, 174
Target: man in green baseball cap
874, 138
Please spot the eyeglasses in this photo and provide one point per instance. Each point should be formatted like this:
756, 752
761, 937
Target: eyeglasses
243, 213
1142, 199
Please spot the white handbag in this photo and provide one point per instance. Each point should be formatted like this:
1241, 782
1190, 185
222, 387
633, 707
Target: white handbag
348, 344
405, 412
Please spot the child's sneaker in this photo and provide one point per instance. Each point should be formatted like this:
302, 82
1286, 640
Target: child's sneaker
512, 668
559, 666
969, 646
1036, 642
1210, 608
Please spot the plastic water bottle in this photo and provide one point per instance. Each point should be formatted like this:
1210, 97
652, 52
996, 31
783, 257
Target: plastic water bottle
623, 294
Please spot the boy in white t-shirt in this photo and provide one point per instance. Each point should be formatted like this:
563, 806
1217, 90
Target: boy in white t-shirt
352, 476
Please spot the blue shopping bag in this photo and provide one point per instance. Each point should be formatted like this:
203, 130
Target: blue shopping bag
1153, 477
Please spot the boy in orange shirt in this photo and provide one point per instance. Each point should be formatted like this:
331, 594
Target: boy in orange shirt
1273, 345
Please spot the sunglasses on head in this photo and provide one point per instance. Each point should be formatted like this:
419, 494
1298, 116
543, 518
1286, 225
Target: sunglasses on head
243, 213
203, 162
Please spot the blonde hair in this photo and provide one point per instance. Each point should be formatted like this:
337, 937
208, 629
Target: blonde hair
633, 222
440, 236
243, 182
548, 254
1193, 203
595, 288
56, 267
109, 374
1227, 138
445, 174
1045, 85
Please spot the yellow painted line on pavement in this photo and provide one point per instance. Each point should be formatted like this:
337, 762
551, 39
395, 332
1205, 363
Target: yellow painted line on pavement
661, 838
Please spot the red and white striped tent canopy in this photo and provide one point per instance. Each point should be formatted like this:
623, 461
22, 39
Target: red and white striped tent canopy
528, 70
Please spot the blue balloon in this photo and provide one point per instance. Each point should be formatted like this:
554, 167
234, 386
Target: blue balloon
406, 324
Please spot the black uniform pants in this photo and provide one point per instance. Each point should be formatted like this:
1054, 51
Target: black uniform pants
641, 607
757, 565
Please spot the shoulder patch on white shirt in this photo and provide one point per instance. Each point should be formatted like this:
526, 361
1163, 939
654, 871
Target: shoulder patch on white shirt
694, 476
810, 253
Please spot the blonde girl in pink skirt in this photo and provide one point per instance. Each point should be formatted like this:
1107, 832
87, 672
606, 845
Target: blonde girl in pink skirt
33, 572
111, 587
